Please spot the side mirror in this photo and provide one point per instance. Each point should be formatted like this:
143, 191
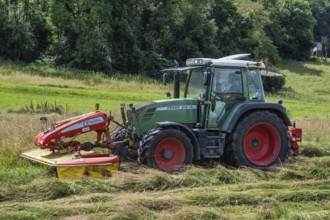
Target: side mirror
164, 79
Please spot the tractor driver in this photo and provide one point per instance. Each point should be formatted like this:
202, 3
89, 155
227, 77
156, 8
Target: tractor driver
235, 83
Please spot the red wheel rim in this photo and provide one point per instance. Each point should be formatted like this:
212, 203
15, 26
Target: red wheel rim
170, 154
262, 144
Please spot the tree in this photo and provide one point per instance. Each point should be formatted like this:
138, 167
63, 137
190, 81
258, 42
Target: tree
154, 23
291, 29
232, 28
83, 33
195, 35
24, 33
261, 46
127, 56
321, 13
144, 36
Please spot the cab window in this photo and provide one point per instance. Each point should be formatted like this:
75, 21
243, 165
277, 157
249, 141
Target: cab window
255, 88
195, 85
227, 81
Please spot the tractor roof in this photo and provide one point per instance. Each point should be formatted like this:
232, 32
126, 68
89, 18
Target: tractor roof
228, 61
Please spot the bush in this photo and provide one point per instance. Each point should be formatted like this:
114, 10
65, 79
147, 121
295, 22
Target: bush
273, 81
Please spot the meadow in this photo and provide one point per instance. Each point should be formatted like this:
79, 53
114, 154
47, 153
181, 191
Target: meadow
297, 189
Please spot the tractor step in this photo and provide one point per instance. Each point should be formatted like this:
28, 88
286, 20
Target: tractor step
215, 146
68, 166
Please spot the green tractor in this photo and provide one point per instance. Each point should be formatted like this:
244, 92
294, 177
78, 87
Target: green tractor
221, 115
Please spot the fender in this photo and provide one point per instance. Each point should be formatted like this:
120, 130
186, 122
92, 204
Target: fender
232, 117
186, 130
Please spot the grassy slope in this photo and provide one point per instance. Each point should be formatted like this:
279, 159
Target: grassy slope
307, 90
298, 189
79, 91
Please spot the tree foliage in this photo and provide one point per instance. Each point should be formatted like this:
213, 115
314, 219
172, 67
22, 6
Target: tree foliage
83, 35
143, 36
292, 28
321, 12
24, 32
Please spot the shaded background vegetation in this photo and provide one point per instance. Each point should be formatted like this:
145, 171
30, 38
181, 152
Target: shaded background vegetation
143, 36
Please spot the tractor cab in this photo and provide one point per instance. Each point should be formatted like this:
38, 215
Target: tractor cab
219, 85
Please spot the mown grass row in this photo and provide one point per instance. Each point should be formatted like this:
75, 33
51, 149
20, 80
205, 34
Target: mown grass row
52, 198
209, 191
134, 178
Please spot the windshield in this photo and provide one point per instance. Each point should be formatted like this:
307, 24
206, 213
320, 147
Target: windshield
195, 85
256, 91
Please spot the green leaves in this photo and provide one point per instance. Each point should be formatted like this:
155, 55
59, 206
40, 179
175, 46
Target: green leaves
142, 37
24, 33
291, 28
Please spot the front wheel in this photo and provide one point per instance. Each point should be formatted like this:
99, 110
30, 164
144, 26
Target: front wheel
169, 150
260, 140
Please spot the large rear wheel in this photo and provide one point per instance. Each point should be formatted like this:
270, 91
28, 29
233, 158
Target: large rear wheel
260, 140
169, 150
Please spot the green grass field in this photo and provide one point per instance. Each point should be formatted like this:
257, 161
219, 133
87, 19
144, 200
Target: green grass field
298, 189
77, 93
307, 90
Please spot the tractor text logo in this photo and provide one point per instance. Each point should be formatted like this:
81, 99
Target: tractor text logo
177, 107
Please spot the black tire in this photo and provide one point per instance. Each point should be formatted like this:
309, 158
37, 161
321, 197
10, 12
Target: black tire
120, 134
168, 150
259, 140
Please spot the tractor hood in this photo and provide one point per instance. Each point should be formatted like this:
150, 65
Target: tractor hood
146, 116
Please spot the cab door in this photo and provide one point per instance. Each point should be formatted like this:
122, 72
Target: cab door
226, 92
